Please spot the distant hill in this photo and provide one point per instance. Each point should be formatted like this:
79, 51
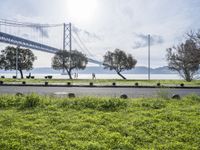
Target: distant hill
100, 70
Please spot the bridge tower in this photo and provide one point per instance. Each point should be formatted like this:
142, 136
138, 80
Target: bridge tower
67, 37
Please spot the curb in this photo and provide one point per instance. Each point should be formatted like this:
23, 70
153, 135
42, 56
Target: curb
99, 86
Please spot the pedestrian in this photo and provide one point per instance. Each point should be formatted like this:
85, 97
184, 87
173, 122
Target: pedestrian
29, 75
93, 76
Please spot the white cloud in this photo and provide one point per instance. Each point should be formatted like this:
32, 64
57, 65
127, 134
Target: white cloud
114, 24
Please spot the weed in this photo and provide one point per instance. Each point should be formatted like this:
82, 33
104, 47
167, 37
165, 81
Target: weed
31, 101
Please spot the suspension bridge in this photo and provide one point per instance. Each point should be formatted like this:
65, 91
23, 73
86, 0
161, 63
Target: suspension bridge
10, 33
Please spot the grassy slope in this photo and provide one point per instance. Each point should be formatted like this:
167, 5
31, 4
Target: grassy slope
106, 81
35, 122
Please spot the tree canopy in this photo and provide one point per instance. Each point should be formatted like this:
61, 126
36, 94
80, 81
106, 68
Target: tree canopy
68, 61
119, 61
25, 59
184, 59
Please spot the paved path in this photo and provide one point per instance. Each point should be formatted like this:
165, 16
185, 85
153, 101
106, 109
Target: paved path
94, 91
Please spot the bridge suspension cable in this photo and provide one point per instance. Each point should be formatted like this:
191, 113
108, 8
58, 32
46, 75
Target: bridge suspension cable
84, 46
26, 24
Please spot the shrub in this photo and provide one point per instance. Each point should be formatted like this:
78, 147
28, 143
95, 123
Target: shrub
157, 104
193, 97
49, 77
112, 104
10, 101
31, 101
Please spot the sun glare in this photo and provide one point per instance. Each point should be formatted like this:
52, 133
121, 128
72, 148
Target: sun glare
81, 11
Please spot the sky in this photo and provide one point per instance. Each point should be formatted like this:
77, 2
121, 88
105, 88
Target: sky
109, 24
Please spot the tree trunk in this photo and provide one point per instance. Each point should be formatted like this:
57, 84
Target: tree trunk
21, 73
69, 74
121, 75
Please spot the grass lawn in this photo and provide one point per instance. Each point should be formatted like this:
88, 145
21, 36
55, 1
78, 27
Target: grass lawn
88, 123
106, 81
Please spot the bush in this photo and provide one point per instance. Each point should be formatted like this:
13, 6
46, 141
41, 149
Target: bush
112, 104
158, 104
31, 101
10, 101
193, 97
49, 77
136, 84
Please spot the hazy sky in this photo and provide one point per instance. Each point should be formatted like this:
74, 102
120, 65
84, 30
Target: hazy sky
108, 24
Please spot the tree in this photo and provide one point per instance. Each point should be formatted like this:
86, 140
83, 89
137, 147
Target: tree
184, 59
119, 61
69, 61
25, 59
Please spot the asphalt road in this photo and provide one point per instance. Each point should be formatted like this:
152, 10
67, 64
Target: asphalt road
94, 91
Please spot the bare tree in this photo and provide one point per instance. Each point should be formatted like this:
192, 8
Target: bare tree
184, 59
69, 61
119, 61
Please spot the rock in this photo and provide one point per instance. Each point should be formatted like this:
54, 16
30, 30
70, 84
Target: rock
19, 94
71, 95
176, 96
124, 96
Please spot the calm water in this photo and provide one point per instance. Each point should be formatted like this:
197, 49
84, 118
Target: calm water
104, 76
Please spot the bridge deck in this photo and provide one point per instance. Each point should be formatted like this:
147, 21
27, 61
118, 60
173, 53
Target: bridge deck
14, 40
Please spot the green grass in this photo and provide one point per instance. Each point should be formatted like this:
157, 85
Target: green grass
106, 81
37, 122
